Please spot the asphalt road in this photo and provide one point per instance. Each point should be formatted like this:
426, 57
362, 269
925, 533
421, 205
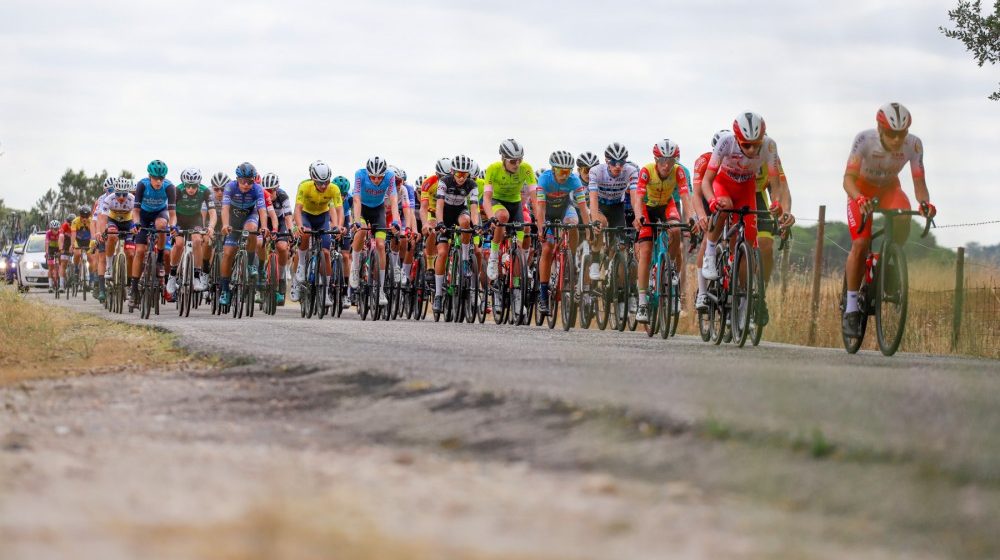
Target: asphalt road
942, 408
900, 452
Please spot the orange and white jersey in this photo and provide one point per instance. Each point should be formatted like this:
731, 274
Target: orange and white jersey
730, 159
872, 162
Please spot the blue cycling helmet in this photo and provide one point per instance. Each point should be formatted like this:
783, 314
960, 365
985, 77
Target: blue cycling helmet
342, 183
246, 170
157, 168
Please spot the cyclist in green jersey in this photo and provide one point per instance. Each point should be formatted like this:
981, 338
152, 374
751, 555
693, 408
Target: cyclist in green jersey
194, 200
505, 180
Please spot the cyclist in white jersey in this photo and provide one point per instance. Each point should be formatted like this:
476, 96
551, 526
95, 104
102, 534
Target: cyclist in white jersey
877, 157
610, 183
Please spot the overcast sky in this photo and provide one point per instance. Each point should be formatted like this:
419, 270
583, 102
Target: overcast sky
112, 84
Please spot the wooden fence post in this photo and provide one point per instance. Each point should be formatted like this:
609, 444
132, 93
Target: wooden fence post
786, 262
956, 320
817, 274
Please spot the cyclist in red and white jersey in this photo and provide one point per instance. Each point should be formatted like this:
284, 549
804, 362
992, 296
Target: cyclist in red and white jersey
740, 157
877, 157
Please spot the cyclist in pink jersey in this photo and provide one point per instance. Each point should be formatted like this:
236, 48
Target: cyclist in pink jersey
877, 156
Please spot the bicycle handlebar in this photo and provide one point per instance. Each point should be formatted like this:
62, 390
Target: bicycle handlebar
890, 212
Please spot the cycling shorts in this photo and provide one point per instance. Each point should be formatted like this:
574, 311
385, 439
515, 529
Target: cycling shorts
665, 213
890, 197
742, 194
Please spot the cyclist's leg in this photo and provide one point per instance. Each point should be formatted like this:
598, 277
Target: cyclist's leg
644, 248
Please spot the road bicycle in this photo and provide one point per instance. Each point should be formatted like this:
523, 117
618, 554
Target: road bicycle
664, 292
735, 297
564, 292
242, 285
185, 294
461, 282
884, 290
150, 285
616, 288
509, 292
314, 290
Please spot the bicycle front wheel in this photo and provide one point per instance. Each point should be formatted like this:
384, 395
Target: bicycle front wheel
567, 290
741, 282
891, 298
758, 296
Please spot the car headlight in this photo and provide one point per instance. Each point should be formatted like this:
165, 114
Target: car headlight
3, 265
32, 265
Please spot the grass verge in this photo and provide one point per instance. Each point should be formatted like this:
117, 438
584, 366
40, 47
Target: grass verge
40, 341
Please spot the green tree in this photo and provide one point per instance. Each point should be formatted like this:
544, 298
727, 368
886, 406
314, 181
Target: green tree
979, 33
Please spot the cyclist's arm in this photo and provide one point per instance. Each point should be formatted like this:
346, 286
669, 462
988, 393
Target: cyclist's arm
851, 185
917, 171
706, 184
424, 209
488, 200
272, 216
540, 204
356, 213
102, 222
225, 215
394, 201
440, 206
298, 215
410, 217
594, 208
337, 215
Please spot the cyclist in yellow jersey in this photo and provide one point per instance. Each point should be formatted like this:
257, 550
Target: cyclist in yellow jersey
655, 198
318, 206
84, 240
505, 180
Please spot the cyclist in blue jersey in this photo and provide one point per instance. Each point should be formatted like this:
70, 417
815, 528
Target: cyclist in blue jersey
243, 207
373, 187
559, 189
155, 206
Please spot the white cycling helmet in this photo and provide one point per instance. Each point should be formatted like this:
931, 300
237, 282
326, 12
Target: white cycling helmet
476, 170
421, 179
220, 180
587, 159
443, 167
109, 184
121, 186
666, 149
270, 181
127, 183
511, 149
749, 127
376, 166
893, 116
462, 164
191, 176
320, 172
718, 136
616, 151
401, 174
561, 158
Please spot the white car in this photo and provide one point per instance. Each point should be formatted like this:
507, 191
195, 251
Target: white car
31, 265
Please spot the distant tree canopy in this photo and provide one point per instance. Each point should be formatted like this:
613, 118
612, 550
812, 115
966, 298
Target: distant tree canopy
75, 189
979, 33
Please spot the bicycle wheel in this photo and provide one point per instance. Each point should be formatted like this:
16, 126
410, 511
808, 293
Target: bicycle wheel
618, 293
472, 292
249, 289
185, 292
741, 283
851, 344
757, 297
236, 285
554, 294
705, 325
321, 302
717, 316
631, 291
307, 293
675, 300
500, 292
657, 297
85, 285
336, 285
891, 298
586, 296
121, 281
373, 285
567, 290
519, 292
